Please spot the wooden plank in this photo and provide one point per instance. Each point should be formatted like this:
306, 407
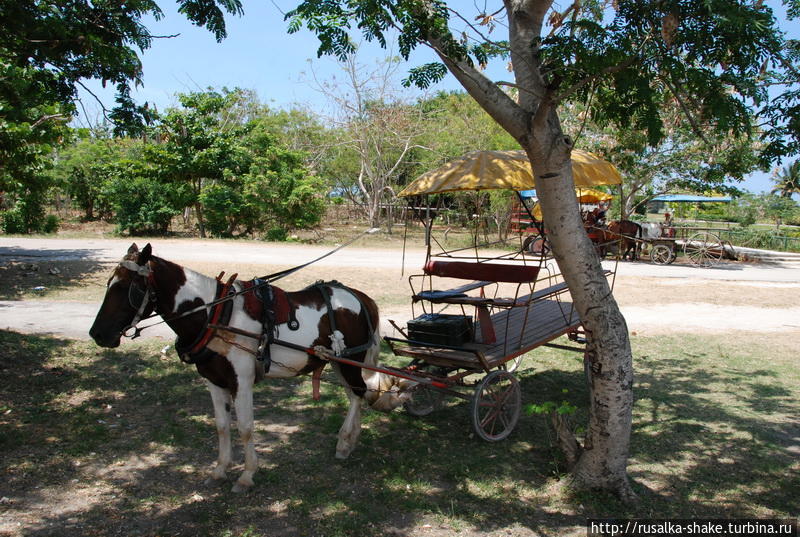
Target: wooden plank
547, 320
441, 357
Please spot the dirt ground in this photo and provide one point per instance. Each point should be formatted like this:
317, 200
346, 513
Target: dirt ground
654, 299
756, 302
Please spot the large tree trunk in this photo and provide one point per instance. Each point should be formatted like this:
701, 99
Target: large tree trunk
603, 458
531, 118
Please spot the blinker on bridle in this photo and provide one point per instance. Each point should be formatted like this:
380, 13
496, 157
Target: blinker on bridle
149, 296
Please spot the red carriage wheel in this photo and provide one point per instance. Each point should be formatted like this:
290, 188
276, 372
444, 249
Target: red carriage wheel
496, 405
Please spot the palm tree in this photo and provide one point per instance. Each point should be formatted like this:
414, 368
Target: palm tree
787, 182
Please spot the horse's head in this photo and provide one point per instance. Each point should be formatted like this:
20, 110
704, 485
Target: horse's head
128, 298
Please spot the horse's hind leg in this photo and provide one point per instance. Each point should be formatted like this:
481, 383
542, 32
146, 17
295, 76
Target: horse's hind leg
222, 416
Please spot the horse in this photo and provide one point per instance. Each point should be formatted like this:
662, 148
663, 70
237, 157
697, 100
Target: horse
595, 226
219, 328
627, 232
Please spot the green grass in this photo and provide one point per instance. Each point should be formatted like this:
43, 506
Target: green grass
127, 436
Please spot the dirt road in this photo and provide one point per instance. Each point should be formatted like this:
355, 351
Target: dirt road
654, 299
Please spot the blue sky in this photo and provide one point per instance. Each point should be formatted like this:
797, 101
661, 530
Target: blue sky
258, 54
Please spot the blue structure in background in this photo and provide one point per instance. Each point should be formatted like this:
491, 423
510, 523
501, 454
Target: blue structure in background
688, 198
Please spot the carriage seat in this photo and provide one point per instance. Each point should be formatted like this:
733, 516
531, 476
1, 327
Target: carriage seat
481, 274
489, 272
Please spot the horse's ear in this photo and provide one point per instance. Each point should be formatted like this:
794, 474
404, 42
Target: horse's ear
133, 249
147, 253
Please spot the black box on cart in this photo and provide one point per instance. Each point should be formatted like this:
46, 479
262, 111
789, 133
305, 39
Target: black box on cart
441, 329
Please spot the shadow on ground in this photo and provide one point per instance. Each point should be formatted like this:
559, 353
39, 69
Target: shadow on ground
117, 442
26, 273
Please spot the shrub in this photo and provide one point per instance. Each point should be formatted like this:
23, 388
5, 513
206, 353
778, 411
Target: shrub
277, 234
143, 204
26, 216
51, 224
222, 208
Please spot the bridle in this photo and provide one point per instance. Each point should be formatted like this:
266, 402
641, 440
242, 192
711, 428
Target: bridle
149, 296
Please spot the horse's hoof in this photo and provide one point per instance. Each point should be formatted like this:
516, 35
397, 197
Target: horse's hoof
238, 487
214, 481
343, 452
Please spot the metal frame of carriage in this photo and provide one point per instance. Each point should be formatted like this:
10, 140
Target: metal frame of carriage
517, 301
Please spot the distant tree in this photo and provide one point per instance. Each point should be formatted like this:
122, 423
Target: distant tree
200, 143
680, 161
241, 177
48, 49
272, 191
377, 130
83, 169
779, 209
143, 203
787, 180
458, 125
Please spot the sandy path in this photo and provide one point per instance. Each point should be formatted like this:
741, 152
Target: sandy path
654, 299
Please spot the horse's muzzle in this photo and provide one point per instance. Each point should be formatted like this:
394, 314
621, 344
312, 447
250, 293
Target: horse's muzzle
102, 340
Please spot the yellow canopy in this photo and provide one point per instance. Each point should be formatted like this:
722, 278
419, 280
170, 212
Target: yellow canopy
506, 170
584, 195
590, 195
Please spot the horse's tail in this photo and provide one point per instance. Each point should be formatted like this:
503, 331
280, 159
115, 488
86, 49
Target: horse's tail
384, 392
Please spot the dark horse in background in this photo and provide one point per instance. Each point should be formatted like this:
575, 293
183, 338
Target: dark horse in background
626, 233
222, 341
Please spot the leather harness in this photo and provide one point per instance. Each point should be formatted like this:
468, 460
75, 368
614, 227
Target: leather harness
263, 302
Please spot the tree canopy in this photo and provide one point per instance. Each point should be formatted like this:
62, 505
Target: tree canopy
48, 49
725, 64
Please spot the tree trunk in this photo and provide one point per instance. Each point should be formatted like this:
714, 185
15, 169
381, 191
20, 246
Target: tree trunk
201, 226
603, 459
531, 118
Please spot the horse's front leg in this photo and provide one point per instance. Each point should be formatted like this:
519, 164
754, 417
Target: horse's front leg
244, 422
222, 417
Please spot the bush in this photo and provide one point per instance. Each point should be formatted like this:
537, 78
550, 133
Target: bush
51, 224
277, 234
144, 205
222, 207
14, 223
26, 216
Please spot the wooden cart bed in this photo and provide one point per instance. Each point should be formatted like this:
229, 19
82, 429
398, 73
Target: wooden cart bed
547, 320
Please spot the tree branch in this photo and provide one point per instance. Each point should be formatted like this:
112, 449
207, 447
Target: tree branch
48, 118
497, 103
607, 71
686, 112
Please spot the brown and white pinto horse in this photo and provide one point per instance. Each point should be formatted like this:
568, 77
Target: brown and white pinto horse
143, 284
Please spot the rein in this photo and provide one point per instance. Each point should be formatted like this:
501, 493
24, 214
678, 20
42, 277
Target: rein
147, 272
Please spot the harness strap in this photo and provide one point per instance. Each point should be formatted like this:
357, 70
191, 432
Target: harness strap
149, 293
220, 315
323, 287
